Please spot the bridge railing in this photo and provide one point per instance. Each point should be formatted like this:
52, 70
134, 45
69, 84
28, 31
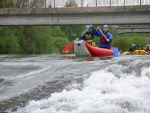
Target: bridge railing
75, 3
87, 3
74, 10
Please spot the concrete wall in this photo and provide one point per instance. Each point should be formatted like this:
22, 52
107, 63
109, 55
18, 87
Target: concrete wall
70, 16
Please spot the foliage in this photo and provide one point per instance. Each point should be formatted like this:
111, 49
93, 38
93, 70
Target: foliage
72, 31
6, 4
52, 39
9, 42
60, 43
124, 42
32, 39
71, 3
44, 38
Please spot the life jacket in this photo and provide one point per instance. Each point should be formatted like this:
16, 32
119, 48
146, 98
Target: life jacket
88, 36
91, 42
103, 39
89, 39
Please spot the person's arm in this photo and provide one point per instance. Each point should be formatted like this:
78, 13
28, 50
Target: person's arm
110, 36
96, 32
82, 36
99, 33
93, 30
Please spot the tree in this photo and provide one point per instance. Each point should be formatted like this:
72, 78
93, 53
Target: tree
71, 3
6, 4
9, 39
29, 3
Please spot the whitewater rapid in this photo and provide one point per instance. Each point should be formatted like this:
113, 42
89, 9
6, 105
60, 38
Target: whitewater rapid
117, 85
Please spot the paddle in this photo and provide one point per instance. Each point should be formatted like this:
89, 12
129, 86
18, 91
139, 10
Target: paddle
68, 48
104, 36
116, 52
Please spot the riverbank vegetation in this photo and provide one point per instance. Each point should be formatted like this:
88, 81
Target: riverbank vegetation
32, 39
52, 39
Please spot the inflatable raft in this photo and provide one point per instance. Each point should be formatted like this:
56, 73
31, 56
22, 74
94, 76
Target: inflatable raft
83, 49
140, 52
137, 52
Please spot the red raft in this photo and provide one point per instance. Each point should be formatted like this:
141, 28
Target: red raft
81, 48
96, 51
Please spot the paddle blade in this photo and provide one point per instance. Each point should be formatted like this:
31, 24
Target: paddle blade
116, 52
68, 48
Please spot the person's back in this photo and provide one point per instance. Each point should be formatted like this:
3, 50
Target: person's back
133, 47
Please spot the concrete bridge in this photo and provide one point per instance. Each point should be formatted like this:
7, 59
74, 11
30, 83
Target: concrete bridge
115, 15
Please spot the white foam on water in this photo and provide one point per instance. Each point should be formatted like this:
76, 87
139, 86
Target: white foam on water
102, 92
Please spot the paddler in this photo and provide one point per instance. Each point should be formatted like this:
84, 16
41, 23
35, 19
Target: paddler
105, 37
88, 35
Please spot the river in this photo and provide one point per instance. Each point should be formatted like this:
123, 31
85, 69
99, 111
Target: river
68, 84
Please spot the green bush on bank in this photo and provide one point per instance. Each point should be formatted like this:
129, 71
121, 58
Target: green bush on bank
52, 39
9, 39
124, 42
32, 40
6, 4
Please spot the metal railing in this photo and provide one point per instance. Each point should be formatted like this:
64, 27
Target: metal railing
80, 3
88, 3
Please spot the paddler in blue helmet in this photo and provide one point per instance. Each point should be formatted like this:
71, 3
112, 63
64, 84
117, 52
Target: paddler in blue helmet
88, 35
105, 37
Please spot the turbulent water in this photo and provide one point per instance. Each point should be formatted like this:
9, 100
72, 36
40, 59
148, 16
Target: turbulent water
68, 84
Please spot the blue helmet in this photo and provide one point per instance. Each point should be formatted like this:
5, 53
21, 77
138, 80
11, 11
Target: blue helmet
105, 26
87, 27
